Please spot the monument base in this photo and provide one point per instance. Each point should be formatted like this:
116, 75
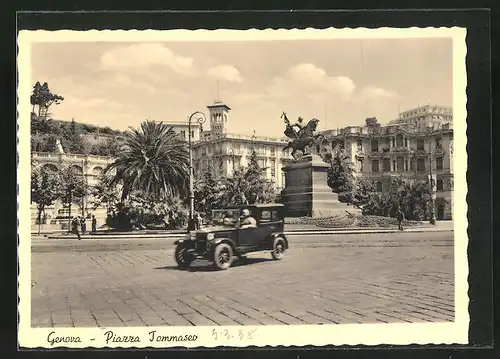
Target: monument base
306, 192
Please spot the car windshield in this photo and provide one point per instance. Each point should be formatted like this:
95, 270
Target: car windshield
226, 217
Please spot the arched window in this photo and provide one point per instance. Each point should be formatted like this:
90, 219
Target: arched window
77, 170
97, 170
50, 167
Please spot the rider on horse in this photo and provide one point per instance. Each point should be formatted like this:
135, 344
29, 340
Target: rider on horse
301, 136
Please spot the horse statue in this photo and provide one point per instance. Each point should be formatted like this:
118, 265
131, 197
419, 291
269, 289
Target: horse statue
302, 137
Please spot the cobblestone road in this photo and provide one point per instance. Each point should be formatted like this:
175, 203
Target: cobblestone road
388, 278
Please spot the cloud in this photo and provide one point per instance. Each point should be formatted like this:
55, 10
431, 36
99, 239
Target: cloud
225, 72
145, 55
126, 82
376, 93
308, 79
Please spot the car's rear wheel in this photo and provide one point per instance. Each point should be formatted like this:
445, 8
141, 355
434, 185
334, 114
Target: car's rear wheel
223, 256
182, 256
278, 248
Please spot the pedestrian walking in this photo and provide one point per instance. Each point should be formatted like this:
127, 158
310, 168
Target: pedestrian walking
83, 225
94, 224
74, 227
199, 221
400, 216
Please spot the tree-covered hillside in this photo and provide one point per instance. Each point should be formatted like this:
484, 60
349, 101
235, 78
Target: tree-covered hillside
78, 138
75, 137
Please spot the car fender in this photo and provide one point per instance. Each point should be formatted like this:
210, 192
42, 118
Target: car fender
281, 235
218, 241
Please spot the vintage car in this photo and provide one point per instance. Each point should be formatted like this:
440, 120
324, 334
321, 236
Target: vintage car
225, 241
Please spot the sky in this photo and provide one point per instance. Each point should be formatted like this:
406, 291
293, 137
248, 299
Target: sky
339, 81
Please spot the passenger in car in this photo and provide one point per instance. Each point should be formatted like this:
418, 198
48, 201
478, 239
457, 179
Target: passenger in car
246, 220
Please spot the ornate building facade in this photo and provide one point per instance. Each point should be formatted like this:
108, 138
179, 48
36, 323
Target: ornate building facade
223, 153
90, 167
418, 143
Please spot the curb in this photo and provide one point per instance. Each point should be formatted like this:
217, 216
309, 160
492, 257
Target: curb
369, 231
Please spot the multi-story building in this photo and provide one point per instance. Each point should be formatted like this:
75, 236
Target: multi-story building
182, 130
410, 147
424, 117
223, 152
90, 167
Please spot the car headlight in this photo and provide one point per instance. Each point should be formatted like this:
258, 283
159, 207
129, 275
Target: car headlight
210, 236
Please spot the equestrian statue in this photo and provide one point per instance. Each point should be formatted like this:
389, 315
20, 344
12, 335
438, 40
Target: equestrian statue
302, 136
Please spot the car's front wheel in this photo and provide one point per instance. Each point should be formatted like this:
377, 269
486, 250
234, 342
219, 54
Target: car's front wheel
278, 248
223, 256
182, 256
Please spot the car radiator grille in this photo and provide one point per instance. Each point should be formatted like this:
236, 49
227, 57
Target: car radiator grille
201, 241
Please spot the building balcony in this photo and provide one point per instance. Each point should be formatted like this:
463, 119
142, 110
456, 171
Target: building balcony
439, 151
359, 153
376, 154
421, 153
400, 149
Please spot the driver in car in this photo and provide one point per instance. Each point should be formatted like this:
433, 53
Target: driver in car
246, 220
228, 219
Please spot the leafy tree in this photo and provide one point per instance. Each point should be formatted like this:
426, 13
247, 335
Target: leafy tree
103, 193
340, 175
413, 197
141, 211
73, 188
43, 98
154, 160
208, 193
45, 189
245, 186
372, 122
110, 147
364, 192
72, 140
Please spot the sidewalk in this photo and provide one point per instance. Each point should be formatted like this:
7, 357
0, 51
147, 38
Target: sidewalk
291, 229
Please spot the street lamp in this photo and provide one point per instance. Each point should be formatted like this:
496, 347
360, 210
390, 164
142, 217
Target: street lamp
200, 118
85, 179
230, 152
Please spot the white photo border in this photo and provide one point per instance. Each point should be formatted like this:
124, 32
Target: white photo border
241, 336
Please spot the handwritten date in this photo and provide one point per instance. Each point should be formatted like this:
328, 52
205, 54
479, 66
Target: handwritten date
227, 334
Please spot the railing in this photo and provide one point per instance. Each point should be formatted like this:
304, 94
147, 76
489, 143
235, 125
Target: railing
255, 138
81, 157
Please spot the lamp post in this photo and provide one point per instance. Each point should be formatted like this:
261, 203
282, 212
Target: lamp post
230, 152
432, 219
84, 197
200, 118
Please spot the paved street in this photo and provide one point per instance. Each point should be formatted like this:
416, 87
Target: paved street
389, 278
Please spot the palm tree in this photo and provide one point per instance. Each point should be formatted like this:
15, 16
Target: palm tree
154, 160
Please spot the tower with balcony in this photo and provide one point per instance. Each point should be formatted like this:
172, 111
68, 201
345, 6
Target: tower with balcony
218, 113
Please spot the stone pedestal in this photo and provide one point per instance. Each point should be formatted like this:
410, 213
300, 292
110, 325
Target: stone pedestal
306, 191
